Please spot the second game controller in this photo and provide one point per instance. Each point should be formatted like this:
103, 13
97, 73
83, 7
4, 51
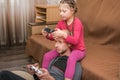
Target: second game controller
36, 69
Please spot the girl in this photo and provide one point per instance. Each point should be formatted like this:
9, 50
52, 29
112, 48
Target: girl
76, 38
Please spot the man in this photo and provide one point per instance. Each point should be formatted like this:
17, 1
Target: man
56, 68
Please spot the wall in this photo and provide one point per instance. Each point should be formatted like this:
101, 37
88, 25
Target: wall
51, 2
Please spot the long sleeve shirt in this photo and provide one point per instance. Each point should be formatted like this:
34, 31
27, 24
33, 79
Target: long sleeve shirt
77, 39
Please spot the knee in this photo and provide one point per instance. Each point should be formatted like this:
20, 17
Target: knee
46, 55
4, 73
71, 59
83, 55
50, 55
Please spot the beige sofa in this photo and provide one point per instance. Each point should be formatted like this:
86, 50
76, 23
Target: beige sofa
101, 20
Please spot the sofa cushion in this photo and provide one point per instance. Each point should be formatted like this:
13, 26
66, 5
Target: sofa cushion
37, 46
101, 19
101, 63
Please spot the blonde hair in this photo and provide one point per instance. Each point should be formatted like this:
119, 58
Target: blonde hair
71, 3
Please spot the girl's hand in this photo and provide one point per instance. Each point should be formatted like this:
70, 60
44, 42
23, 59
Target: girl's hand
59, 33
45, 75
44, 33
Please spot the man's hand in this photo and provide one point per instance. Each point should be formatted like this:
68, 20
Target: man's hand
45, 75
31, 71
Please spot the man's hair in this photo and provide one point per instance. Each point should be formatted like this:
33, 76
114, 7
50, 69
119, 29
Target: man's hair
71, 3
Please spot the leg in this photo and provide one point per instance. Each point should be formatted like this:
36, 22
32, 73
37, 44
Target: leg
75, 56
24, 75
48, 57
7, 75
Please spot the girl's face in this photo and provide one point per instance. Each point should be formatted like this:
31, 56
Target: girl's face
65, 11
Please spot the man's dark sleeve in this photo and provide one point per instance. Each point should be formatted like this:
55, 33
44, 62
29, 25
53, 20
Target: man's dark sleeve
78, 71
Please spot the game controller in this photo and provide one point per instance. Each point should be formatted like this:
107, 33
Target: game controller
36, 69
48, 30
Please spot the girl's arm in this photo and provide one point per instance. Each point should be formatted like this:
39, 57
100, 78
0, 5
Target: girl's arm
77, 33
50, 35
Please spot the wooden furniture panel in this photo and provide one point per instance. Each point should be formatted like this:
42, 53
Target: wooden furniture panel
36, 28
47, 13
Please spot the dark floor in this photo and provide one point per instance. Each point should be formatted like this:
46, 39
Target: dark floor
13, 58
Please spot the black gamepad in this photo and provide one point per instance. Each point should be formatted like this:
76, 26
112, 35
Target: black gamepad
48, 30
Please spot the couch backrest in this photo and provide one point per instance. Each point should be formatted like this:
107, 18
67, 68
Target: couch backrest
101, 19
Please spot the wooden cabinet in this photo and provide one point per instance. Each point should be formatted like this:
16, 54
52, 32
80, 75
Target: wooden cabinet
47, 13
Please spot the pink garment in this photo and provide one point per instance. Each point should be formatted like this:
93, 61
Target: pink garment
78, 47
48, 57
77, 40
75, 56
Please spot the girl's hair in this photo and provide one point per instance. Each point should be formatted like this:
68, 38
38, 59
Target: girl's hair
71, 3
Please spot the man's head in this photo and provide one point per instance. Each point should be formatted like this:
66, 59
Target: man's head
62, 47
